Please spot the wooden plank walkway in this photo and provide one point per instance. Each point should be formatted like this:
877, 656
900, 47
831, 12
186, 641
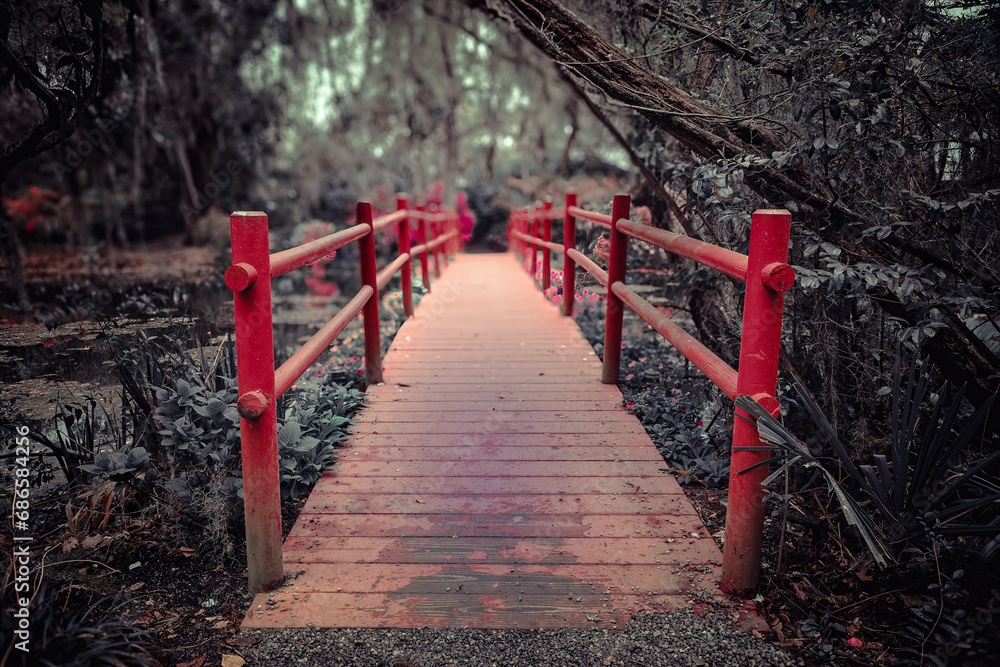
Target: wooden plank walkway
494, 482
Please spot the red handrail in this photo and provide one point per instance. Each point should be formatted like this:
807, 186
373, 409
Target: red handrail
589, 265
766, 274
260, 383
599, 218
287, 261
305, 356
721, 259
718, 371
386, 220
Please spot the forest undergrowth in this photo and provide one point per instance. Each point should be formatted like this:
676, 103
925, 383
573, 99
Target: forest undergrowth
935, 599
136, 505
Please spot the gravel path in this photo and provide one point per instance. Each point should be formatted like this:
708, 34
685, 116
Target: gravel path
677, 638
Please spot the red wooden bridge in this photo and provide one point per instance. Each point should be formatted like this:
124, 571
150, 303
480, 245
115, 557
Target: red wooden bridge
493, 479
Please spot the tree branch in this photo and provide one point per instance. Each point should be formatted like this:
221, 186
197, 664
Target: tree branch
626, 145
563, 37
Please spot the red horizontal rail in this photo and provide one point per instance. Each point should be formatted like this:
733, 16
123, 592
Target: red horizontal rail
599, 218
260, 384
386, 274
767, 275
288, 260
554, 247
383, 221
552, 213
731, 263
418, 249
534, 240
430, 245
717, 370
296, 365
589, 265
430, 217
444, 238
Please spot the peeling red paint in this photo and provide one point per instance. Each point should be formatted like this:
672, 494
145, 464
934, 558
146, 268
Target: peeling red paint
493, 602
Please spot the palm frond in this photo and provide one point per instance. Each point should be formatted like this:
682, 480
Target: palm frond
796, 452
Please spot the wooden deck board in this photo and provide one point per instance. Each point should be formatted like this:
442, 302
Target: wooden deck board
488, 451
492, 481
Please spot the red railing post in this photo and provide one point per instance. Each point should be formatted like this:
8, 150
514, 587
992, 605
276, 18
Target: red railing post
441, 231
250, 280
529, 258
510, 234
373, 341
425, 274
758, 376
446, 246
453, 241
614, 314
406, 277
569, 264
522, 226
533, 223
436, 250
546, 253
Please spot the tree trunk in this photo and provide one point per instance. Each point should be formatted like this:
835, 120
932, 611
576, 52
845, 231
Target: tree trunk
13, 257
960, 356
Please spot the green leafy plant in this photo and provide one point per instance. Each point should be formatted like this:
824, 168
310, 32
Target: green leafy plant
124, 468
313, 425
178, 437
918, 496
691, 453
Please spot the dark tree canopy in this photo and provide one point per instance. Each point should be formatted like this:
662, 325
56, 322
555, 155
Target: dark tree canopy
876, 126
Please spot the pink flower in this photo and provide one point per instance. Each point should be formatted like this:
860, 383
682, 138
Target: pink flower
855, 642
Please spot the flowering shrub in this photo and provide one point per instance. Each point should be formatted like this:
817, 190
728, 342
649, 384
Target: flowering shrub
602, 248
643, 215
28, 209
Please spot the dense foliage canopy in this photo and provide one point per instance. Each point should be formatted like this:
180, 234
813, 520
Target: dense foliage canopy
875, 124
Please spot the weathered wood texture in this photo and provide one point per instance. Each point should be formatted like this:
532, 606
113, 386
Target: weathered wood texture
494, 482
